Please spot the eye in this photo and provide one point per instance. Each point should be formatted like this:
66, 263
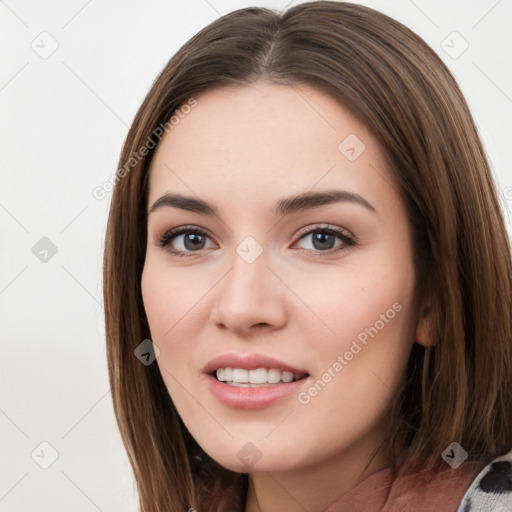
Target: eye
323, 239
188, 239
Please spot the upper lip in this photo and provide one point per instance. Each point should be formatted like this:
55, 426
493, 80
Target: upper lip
249, 362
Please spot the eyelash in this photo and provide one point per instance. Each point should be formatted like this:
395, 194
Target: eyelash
347, 239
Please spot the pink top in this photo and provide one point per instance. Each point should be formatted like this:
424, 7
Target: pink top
466, 488
439, 490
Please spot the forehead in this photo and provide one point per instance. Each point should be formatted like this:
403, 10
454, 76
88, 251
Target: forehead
263, 138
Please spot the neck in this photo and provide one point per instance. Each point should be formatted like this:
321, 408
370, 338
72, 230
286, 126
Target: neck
311, 488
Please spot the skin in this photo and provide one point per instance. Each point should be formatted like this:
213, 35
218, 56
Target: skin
243, 149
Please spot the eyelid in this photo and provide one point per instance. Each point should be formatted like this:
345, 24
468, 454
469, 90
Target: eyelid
325, 227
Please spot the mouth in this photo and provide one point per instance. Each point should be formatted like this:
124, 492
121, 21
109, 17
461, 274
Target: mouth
253, 381
255, 378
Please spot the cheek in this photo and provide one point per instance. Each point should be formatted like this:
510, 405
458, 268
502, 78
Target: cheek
170, 304
360, 363
363, 338
357, 369
171, 298
356, 303
175, 301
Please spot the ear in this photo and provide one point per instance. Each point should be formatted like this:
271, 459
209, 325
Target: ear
424, 327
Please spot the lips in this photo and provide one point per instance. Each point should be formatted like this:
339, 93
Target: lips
240, 395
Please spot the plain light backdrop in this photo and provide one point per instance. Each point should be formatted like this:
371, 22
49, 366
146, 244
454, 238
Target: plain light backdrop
72, 77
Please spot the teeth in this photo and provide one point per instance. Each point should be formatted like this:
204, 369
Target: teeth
287, 376
240, 375
247, 378
258, 376
273, 376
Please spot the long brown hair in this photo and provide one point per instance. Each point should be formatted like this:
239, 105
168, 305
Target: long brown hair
460, 389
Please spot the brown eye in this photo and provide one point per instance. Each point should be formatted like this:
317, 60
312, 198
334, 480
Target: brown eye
184, 240
324, 239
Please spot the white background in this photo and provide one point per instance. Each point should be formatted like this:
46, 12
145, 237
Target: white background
63, 121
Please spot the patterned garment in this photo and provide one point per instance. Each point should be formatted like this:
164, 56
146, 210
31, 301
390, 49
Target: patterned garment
491, 491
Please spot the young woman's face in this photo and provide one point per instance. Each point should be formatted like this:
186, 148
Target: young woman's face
296, 263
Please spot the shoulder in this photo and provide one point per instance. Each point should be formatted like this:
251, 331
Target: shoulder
491, 490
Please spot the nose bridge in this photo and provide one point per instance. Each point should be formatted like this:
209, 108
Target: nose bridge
248, 276
247, 296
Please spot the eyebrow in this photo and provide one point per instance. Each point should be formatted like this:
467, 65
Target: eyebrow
285, 206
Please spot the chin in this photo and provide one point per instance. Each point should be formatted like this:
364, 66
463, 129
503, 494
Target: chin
247, 457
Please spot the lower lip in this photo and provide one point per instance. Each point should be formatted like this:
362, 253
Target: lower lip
253, 398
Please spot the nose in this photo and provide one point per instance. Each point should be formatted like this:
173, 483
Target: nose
249, 298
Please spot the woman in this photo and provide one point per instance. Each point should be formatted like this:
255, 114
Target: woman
305, 226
